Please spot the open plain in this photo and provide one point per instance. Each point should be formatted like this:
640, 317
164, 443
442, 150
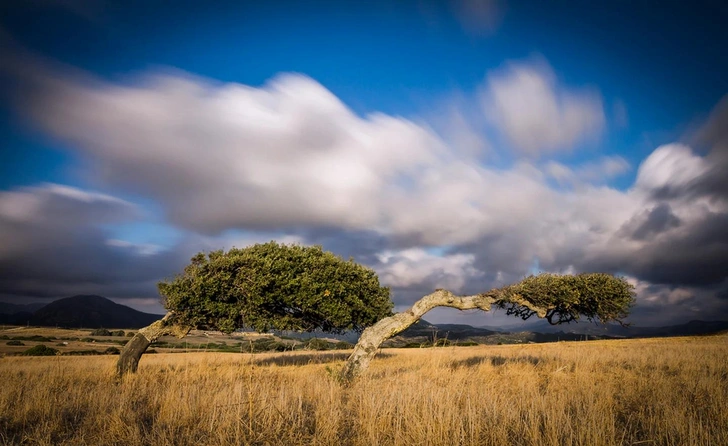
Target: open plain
669, 391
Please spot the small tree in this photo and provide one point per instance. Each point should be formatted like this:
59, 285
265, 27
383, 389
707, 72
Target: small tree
558, 298
265, 286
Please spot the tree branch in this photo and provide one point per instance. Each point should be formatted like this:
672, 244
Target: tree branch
373, 337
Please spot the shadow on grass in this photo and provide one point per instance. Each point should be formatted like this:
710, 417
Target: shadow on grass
308, 358
495, 361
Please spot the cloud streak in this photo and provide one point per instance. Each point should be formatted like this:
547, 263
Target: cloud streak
537, 114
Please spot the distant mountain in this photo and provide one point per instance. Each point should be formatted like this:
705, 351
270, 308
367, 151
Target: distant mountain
615, 330
20, 318
18, 314
91, 312
424, 332
691, 328
8, 308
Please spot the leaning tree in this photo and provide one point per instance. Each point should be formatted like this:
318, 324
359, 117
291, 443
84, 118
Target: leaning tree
267, 286
291, 287
557, 298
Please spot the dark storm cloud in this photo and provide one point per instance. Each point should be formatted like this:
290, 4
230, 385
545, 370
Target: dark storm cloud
723, 294
650, 223
693, 255
715, 135
52, 245
362, 246
712, 182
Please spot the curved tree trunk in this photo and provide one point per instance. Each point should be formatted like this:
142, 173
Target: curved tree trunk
371, 339
135, 348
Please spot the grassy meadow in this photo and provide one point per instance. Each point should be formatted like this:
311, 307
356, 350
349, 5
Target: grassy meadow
670, 391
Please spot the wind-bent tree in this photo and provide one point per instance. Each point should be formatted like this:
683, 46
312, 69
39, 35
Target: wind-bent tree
276, 286
558, 298
265, 286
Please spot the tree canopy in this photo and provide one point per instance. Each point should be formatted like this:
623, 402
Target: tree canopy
565, 298
275, 286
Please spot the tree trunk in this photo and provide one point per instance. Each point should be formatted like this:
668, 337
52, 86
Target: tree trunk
371, 339
135, 348
130, 355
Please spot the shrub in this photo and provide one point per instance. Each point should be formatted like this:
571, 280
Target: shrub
112, 351
36, 338
40, 350
14, 343
343, 345
130, 334
318, 344
279, 346
118, 333
101, 332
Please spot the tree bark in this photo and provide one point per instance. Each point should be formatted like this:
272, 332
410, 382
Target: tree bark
135, 348
373, 337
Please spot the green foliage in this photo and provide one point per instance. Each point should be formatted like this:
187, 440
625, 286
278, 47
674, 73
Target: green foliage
36, 338
319, 344
265, 345
14, 343
112, 351
276, 286
118, 333
596, 296
101, 332
40, 350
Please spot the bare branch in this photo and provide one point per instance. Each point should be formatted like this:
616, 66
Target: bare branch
559, 299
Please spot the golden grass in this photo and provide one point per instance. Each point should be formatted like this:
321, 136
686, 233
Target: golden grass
648, 392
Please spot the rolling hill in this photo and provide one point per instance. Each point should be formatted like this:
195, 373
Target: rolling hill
89, 311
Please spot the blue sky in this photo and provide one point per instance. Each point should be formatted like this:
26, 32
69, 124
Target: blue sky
442, 143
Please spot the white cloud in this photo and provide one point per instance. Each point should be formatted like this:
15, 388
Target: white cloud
538, 115
221, 156
61, 204
416, 266
672, 166
289, 156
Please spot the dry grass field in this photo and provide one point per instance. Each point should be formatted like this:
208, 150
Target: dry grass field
646, 392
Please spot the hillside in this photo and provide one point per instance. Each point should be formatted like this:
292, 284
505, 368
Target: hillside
17, 314
90, 312
425, 333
